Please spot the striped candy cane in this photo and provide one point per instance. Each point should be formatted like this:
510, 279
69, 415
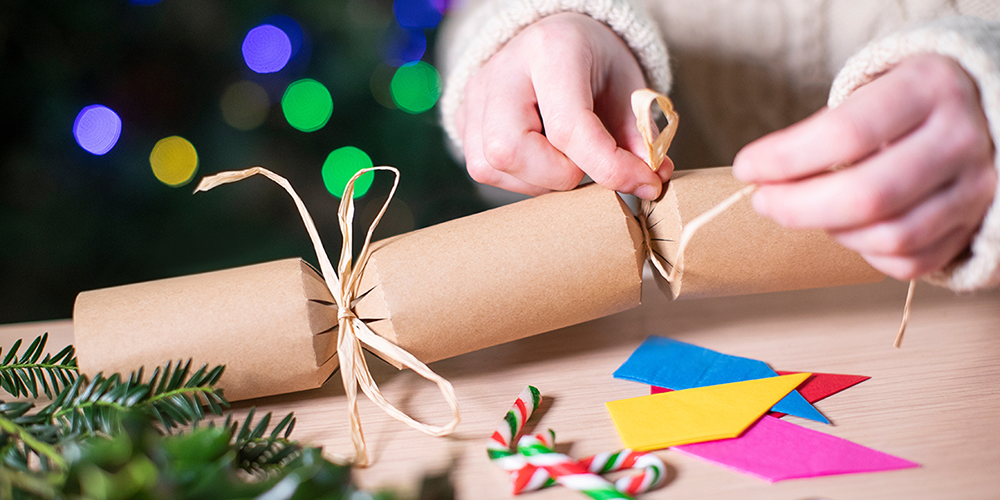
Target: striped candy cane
567, 471
527, 475
651, 473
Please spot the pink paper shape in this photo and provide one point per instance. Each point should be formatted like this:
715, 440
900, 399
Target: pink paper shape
775, 450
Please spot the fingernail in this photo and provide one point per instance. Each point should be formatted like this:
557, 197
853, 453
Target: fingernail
647, 192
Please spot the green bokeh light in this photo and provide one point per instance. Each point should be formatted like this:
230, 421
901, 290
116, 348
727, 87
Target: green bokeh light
416, 87
341, 165
307, 105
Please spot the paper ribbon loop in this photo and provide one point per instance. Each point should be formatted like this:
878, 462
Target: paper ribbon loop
353, 332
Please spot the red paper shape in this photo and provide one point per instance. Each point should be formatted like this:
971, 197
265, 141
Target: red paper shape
817, 387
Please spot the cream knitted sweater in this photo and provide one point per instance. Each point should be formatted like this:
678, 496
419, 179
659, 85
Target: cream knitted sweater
738, 69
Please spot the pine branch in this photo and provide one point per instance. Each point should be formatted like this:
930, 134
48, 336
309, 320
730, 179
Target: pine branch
38, 447
19, 377
256, 452
171, 396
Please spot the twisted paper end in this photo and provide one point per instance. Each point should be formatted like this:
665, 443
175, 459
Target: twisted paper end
353, 332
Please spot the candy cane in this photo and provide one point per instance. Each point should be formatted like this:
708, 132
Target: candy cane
567, 471
651, 475
528, 474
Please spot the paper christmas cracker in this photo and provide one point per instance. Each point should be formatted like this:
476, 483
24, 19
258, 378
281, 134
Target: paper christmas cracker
518, 270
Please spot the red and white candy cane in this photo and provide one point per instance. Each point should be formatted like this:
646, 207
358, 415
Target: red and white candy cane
526, 476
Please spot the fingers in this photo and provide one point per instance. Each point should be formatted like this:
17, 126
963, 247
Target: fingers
929, 236
472, 116
876, 114
534, 121
573, 128
880, 187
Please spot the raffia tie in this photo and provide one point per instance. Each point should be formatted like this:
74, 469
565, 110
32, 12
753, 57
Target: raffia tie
657, 144
352, 332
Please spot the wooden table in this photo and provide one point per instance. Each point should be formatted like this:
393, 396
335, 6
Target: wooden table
936, 401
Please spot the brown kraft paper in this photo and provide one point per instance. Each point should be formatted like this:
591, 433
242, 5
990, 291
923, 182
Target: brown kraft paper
522, 269
740, 252
270, 324
493, 277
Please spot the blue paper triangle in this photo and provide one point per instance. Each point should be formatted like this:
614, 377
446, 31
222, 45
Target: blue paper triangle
678, 365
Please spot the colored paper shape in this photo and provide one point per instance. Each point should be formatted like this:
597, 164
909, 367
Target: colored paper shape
817, 387
775, 450
823, 385
699, 414
678, 365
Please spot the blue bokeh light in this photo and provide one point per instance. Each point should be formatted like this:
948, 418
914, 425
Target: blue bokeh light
143, 2
417, 13
404, 46
97, 129
267, 49
292, 29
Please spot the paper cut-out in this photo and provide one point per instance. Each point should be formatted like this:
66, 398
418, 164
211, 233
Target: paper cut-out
695, 415
816, 388
678, 365
774, 450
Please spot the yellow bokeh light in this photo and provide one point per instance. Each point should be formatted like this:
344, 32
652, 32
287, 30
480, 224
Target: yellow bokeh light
174, 161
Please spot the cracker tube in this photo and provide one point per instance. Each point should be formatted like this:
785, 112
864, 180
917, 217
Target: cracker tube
738, 251
269, 324
518, 270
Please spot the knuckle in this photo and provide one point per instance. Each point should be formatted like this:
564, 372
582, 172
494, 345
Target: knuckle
559, 132
942, 76
851, 130
481, 172
896, 241
500, 152
867, 202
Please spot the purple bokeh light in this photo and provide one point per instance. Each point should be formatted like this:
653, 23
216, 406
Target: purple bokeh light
97, 129
266, 49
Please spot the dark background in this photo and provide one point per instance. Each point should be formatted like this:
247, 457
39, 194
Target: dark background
71, 221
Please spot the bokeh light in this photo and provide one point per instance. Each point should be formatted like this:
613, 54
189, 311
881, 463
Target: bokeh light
245, 105
291, 28
307, 105
341, 165
404, 46
97, 129
143, 2
174, 161
416, 13
266, 49
416, 87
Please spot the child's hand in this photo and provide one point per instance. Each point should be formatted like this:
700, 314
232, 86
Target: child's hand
921, 177
552, 105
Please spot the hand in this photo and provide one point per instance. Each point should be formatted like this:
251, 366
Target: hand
921, 174
552, 105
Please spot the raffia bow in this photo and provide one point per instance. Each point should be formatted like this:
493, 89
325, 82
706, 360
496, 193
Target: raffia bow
352, 331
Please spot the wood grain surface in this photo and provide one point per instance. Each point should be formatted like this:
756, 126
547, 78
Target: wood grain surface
935, 401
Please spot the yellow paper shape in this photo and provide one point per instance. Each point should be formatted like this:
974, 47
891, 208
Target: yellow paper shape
701, 414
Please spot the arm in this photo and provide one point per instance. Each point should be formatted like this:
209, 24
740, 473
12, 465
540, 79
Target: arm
537, 93
916, 116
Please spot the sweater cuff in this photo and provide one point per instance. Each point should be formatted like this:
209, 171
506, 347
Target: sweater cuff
503, 19
975, 45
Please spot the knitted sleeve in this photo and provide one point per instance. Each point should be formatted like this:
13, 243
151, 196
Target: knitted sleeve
477, 32
975, 44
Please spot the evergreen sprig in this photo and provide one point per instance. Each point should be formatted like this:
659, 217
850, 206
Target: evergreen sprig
21, 376
110, 437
